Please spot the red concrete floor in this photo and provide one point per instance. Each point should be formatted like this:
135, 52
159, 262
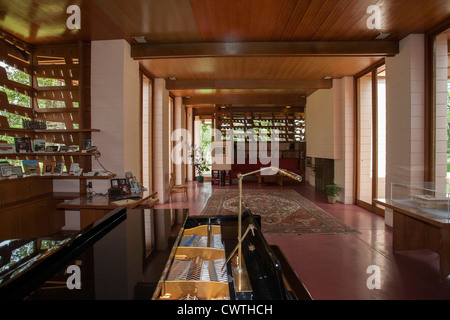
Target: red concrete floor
334, 267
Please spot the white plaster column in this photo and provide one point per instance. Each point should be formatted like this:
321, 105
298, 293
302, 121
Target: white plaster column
180, 124
115, 107
161, 140
405, 83
190, 129
345, 136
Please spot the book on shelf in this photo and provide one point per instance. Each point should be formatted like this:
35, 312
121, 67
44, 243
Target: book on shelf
39, 145
31, 167
75, 169
52, 148
7, 148
23, 144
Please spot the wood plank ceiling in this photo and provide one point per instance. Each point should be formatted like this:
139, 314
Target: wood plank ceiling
239, 52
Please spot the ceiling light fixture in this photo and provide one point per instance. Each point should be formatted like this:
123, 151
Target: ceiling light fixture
327, 78
139, 39
173, 78
383, 36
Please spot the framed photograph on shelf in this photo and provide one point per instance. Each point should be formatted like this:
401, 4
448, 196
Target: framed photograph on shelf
6, 171
18, 171
23, 144
59, 168
39, 145
114, 183
48, 167
31, 167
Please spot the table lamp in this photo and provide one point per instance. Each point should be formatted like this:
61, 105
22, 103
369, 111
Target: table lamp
242, 282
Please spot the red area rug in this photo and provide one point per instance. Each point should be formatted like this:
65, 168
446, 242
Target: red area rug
282, 211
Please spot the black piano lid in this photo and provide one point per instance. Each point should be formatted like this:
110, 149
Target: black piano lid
18, 280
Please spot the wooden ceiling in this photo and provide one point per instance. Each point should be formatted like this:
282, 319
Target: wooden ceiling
240, 52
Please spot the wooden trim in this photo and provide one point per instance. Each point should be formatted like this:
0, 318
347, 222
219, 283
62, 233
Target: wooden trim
374, 133
248, 84
373, 69
233, 49
293, 100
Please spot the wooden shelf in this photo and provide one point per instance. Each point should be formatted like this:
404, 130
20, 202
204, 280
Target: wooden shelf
48, 130
43, 154
64, 177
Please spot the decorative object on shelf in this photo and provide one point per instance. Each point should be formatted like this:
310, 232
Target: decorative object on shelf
52, 149
59, 168
7, 148
6, 171
39, 145
333, 192
31, 167
87, 144
200, 163
48, 167
23, 144
75, 169
34, 124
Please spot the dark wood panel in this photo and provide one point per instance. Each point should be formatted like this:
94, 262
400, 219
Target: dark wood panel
239, 49
248, 84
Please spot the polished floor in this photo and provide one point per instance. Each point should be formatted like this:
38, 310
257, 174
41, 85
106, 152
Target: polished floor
335, 267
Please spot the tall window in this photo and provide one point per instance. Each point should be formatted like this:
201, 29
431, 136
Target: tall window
371, 136
147, 133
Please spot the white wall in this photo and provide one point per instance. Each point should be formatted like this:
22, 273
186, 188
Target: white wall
320, 124
405, 115
330, 132
115, 106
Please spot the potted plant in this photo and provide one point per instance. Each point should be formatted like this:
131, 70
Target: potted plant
200, 163
333, 192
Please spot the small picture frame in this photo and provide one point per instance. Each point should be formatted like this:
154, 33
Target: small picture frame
308, 161
18, 172
7, 171
114, 183
48, 167
59, 168
123, 182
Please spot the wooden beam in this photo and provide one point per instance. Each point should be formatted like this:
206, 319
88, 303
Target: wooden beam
248, 84
247, 100
230, 49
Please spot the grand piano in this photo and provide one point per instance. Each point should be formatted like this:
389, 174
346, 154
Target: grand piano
186, 258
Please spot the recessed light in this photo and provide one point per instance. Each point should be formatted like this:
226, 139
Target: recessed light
173, 78
140, 39
327, 78
383, 36
188, 97
288, 107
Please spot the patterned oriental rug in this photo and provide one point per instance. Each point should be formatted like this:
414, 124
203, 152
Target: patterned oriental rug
282, 211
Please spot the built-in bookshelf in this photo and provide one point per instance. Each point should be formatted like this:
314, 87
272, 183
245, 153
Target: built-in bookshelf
259, 126
45, 96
